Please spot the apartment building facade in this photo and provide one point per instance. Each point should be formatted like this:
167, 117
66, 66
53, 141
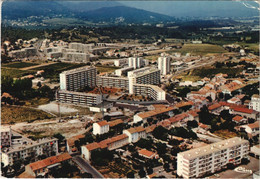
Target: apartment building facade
76, 57
32, 149
115, 82
100, 127
145, 75
152, 91
83, 48
164, 65
73, 80
78, 98
6, 134
136, 62
211, 158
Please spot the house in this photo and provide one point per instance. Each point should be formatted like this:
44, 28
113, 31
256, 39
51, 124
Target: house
110, 144
115, 122
215, 108
203, 126
70, 143
251, 129
100, 127
245, 112
150, 129
42, 167
182, 119
239, 119
160, 110
234, 100
134, 134
148, 154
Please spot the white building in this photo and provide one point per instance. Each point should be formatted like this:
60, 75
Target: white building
76, 57
134, 134
164, 64
100, 127
251, 129
123, 71
29, 148
211, 158
136, 62
255, 103
72, 80
82, 48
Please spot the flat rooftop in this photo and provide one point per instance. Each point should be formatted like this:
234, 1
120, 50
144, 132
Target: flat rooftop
79, 93
141, 71
212, 148
77, 70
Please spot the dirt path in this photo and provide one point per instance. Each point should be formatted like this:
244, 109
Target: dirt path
37, 66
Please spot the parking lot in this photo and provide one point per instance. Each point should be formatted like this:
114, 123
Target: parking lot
252, 165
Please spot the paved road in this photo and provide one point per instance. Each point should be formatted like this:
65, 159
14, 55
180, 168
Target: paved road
85, 166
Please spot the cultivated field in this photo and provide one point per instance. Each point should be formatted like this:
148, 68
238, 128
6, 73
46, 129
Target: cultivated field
200, 49
19, 64
13, 114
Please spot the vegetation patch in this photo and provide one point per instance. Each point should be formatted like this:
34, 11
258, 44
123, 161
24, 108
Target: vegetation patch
102, 69
225, 133
13, 114
210, 72
19, 65
15, 73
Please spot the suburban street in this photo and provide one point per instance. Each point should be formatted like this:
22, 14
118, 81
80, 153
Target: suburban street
86, 167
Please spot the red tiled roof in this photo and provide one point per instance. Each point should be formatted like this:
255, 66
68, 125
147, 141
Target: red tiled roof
136, 129
146, 153
71, 140
49, 161
214, 106
204, 126
92, 146
102, 123
254, 125
243, 110
115, 122
157, 111
237, 118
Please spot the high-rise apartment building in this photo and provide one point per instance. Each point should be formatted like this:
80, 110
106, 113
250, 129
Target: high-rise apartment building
145, 75
73, 80
136, 62
255, 103
164, 64
211, 158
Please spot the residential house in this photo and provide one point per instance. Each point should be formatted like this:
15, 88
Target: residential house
100, 127
148, 154
239, 119
134, 134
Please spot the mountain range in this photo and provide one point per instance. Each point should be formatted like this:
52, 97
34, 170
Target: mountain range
127, 11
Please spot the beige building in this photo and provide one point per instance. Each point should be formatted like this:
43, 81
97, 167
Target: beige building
211, 158
6, 134
110, 143
164, 65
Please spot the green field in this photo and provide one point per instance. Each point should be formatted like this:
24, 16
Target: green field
15, 73
19, 65
200, 49
209, 72
102, 69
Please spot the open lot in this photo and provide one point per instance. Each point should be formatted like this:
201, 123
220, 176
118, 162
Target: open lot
226, 134
200, 49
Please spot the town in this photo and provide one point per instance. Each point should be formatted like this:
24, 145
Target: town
89, 106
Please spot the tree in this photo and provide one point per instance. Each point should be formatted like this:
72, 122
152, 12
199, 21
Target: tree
4, 169
244, 161
160, 133
204, 115
161, 148
89, 138
130, 175
39, 84
86, 175
230, 166
145, 143
142, 173
166, 166
17, 166
102, 157
192, 124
